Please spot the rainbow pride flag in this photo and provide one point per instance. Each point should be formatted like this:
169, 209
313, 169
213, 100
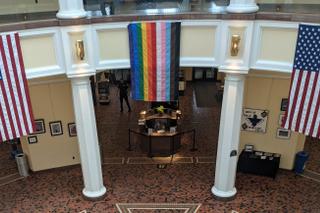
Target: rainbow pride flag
154, 58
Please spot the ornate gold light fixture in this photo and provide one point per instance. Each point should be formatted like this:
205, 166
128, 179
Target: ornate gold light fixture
235, 40
80, 49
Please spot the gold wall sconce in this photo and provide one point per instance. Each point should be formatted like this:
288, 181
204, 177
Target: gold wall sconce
235, 40
80, 49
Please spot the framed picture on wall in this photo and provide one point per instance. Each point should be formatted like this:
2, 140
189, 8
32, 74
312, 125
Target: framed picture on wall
72, 129
283, 133
254, 120
248, 148
281, 117
39, 126
56, 128
32, 139
284, 104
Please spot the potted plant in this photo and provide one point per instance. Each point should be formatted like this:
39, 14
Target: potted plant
160, 110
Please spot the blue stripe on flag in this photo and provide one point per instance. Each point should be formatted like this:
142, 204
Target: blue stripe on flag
0, 75
136, 65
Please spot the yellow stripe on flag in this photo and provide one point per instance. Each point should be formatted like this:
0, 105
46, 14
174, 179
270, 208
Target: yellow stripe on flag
145, 60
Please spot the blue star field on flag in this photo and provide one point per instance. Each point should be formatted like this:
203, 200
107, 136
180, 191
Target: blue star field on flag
308, 48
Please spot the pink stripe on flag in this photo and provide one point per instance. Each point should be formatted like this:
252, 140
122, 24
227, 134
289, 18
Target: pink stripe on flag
163, 61
159, 64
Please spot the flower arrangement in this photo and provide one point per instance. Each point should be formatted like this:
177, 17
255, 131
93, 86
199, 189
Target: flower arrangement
160, 109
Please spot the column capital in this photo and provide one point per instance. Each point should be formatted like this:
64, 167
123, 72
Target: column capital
234, 71
71, 9
242, 6
81, 80
235, 77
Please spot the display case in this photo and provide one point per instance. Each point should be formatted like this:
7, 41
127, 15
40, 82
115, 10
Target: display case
161, 126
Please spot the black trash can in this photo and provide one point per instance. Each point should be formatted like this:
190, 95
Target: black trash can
301, 158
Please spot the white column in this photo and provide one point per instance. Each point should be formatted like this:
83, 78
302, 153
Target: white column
87, 138
71, 9
230, 120
242, 6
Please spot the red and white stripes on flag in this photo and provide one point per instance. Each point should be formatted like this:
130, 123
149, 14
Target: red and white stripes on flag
16, 117
303, 113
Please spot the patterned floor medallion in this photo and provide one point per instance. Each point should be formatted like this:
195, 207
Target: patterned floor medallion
158, 207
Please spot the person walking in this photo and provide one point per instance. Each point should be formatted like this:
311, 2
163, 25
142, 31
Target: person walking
123, 92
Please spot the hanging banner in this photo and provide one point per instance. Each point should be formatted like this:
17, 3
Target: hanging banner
303, 108
154, 58
16, 117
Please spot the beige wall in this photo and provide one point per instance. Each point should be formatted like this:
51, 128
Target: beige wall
38, 51
265, 91
52, 101
114, 44
197, 41
278, 44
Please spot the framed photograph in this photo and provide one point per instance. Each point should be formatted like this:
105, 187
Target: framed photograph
283, 133
40, 127
254, 120
281, 117
32, 139
56, 128
248, 148
72, 129
284, 104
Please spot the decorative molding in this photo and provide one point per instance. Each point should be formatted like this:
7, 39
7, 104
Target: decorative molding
237, 70
57, 69
87, 67
113, 63
213, 61
198, 62
44, 72
186, 207
220, 58
227, 61
260, 64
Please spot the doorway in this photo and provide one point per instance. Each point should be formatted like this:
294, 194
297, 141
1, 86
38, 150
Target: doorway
204, 74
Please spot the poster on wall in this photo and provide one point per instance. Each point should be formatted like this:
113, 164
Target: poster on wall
254, 120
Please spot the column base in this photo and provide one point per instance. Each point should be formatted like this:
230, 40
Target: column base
94, 195
234, 8
71, 14
217, 9
224, 195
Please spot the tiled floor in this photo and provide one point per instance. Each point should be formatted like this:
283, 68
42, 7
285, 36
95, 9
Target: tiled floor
59, 190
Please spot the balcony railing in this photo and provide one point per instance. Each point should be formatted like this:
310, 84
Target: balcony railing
26, 10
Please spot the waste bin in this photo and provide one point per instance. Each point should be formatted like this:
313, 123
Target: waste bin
301, 158
22, 163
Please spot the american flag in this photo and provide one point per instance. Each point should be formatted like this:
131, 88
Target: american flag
16, 118
303, 114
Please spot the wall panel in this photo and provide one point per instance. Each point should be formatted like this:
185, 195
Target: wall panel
51, 100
